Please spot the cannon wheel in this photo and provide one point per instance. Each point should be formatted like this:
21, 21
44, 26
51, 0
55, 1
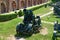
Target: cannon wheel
18, 28
54, 35
30, 31
54, 38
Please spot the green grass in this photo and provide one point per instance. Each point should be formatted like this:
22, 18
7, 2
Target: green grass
8, 28
51, 18
38, 36
42, 10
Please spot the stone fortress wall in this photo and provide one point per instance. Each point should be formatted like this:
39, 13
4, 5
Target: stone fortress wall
11, 5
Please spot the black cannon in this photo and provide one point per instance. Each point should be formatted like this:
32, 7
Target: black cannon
30, 24
57, 8
56, 32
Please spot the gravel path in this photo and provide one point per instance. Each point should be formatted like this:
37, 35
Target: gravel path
46, 14
44, 31
12, 37
41, 15
47, 22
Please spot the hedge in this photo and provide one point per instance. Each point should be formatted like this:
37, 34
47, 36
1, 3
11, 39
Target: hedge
12, 15
38, 6
6, 17
20, 13
35, 7
55, 1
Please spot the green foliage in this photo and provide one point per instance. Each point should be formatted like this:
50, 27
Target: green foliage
51, 18
38, 6
55, 0
8, 28
6, 17
42, 10
35, 8
20, 13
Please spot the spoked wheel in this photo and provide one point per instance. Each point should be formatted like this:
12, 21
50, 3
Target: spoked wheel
19, 28
30, 32
54, 36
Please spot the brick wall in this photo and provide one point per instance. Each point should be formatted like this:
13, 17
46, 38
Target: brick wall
18, 4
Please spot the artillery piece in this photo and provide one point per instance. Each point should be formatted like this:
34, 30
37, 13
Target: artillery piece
57, 8
56, 32
30, 24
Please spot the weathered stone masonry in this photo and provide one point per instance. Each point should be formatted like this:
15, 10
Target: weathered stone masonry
11, 5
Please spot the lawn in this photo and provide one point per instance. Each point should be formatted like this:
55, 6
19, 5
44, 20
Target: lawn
42, 10
8, 28
39, 36
51, 18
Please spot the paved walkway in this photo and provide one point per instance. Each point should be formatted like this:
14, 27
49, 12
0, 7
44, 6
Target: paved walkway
46, 14
22, 17
47, 22
41, 15
14, 38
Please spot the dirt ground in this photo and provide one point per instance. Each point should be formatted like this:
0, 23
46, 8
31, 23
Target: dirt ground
11, 37
44, 31
14, 38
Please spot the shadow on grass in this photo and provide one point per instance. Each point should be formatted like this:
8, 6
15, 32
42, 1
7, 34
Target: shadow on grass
21, 37
57, 16
24, 36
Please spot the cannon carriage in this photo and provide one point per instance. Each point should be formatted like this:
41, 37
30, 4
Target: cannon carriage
57, 8
56, 32
30, 24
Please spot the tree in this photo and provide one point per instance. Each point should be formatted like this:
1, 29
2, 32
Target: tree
55, 1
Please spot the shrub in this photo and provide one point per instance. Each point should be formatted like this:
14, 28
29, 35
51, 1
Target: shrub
55, 1
6, 17
20, 13
38, 6
35, 8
